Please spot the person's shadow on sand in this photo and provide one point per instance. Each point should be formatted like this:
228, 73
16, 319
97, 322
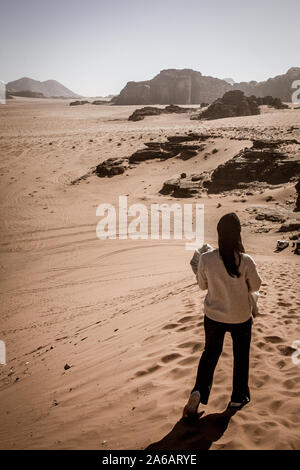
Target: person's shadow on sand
195, 433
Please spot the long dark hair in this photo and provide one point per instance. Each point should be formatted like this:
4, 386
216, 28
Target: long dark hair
230, 243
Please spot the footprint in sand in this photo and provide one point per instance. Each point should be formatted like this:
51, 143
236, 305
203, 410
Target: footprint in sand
275, 405
193, 345
290, 384
170, 326
273, 339
180, 372
186, 319
188, 344
284, 304
151, 369
188, 361
170, 357
184, 328
281, 364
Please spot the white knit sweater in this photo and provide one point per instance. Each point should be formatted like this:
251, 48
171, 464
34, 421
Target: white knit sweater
227, 298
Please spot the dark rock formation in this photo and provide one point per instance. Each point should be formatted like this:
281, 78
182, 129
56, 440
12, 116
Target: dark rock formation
176, 146
190, 87
78, 103
297, 207
140, 114
149, 154
263, 164
99, 102
272, 144
185, 186
112, 167
277, 87
269, 101
233, 103
26, 94
272, 214
290, 226
188, 137
173, 86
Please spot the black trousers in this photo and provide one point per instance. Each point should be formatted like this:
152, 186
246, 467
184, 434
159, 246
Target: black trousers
214, 338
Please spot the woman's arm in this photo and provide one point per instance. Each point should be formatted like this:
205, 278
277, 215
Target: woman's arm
201, 275
253, 278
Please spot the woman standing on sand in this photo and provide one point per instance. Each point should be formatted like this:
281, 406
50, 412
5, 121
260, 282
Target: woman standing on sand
229, 275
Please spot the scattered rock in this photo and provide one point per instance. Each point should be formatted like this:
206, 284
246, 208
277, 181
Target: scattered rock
99, 102
149, 154
297, 206
290, 226
270, 101
112, 166
233, 103
67, 366
184, 187
78, 103
140, 114
295, 236
273, 214
263, 164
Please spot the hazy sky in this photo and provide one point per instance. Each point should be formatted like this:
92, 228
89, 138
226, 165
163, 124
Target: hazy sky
95, 46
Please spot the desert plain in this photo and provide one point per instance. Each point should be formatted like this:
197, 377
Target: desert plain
126, 316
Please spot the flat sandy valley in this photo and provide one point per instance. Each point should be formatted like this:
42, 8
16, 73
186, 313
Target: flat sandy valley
126, 315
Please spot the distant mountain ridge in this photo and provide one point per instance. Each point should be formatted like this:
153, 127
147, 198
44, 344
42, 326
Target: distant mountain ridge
187, 86
48, 88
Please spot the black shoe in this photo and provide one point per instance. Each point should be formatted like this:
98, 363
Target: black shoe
191, 407
238, 405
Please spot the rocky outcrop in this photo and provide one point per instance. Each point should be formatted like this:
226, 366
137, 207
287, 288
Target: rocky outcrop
140, 114
290, 226
272, 214
176, 146
277, 87
184, 186
112, 167
269, 101
191, 87
297, 206
233, 103
100, 102
179, 146
149, 154
173, 86
26, 94
264, 162
78, 103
